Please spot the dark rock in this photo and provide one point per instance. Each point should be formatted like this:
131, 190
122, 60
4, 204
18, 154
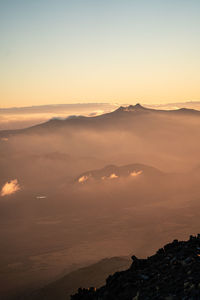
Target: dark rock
172, 273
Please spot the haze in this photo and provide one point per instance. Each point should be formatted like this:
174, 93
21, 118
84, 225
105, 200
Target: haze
77, 190
99, 137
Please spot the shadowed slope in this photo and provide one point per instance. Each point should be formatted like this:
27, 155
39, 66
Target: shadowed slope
92, 275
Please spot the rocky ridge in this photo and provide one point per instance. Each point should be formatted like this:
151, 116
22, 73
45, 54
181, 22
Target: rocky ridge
172, 273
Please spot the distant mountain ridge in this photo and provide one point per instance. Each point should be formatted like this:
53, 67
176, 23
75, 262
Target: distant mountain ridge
107, 119
138, 108
114, 172
94, 274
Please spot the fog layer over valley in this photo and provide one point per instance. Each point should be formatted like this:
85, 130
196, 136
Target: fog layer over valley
78, 190
22, 117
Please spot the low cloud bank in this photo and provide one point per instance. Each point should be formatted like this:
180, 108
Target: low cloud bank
22, 117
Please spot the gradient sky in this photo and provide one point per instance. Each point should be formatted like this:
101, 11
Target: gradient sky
125, 51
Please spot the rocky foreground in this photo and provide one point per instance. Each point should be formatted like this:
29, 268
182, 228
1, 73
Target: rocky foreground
172, 273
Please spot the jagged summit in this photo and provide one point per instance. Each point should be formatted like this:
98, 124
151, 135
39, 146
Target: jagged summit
132, 108
137, 106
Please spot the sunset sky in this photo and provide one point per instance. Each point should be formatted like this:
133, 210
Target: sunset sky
124, 51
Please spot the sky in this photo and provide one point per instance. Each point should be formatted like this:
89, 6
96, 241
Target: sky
84, 51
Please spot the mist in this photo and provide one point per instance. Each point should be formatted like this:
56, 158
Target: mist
76, 191
22, 117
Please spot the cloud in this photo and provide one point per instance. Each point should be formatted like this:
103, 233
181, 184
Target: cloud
96, 113
83, 179
22, 117
135, 173
113, 176
176, 105
10, 187
41, 197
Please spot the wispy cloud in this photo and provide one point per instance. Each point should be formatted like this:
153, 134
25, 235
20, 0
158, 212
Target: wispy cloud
41, 197
135, 173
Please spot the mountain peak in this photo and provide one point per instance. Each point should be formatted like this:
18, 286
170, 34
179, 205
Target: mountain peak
138, 105
130, 108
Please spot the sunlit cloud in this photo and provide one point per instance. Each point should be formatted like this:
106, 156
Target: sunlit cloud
129, 109
96, 113
83, 179
113, 176
10, 187
136, 173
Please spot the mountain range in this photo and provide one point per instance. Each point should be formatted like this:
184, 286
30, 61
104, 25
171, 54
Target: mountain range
115, 118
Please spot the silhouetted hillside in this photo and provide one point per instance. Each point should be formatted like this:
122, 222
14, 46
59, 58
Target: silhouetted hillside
172, 273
